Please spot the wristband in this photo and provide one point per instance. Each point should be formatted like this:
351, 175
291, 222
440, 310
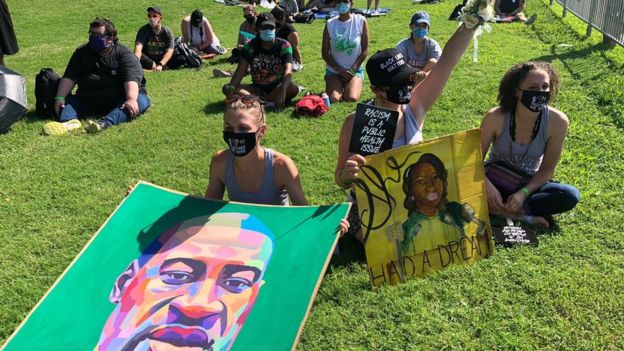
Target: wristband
525, 190
59, 98
159, 64
342, 180
352, 71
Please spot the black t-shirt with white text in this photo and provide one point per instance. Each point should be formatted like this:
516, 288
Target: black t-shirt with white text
101, 79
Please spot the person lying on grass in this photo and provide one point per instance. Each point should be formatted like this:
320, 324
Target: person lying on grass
524, 132
270, 62
248, 171
391, 80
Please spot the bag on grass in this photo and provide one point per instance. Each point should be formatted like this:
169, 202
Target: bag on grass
184, 55
304, 17
311, 105
46, 84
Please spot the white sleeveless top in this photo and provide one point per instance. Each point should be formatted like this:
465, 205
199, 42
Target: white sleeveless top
197, 35
345, 39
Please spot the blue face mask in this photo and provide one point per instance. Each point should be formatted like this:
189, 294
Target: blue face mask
267, 34
342, 8
419, 32
98, 43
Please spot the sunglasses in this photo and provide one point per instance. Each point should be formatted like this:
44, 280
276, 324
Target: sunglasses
153, 16
247, 100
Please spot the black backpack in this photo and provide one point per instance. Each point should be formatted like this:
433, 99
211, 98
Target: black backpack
304, 17
185, 55
46, 84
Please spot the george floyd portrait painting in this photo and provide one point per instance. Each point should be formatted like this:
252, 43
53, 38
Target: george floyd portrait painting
423, 207
168, 271
192, 288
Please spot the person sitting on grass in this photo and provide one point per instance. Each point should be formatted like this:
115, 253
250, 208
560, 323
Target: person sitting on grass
323, 6
250, 172
246, 31
420, 51
292, 8
270, 63
288, 32
524, 132
110, 83
514, 10
344, 49
198, 33
154, 43
392, 81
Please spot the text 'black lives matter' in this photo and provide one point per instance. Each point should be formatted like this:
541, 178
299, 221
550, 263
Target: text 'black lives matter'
373, 129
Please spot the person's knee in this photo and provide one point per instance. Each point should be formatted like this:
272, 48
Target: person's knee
350, 98
570, 196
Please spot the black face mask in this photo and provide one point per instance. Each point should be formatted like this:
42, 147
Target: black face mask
250, 19
399, 95
535, 100
240, 143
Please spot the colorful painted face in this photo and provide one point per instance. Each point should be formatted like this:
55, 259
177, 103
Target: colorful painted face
427, 186
194, 292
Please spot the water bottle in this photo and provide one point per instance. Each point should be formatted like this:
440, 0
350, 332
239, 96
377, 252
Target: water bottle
326, 99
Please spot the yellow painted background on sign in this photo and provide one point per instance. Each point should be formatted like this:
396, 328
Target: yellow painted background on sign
380, 195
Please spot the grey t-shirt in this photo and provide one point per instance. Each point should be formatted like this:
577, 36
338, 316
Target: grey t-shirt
416, 60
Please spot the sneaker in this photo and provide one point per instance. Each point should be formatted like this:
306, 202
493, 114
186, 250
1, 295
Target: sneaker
531, 19
219, 73
94, 127
58, 128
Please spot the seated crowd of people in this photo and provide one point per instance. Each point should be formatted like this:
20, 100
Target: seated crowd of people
523, 131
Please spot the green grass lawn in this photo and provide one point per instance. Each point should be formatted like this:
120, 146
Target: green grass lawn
565, 294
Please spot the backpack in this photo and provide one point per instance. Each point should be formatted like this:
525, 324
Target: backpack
304, 17
311, 105
185, 55
46, 84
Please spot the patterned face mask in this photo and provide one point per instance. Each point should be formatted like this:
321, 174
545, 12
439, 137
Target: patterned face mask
535, 100
240, 143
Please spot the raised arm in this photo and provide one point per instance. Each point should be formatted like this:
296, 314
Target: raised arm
428, 91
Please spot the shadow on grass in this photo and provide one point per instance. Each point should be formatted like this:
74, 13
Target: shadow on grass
215, 107
348, 250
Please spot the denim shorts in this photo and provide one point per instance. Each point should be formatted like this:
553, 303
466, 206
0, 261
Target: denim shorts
359, 73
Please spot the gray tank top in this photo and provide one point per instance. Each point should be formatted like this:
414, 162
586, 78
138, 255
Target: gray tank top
526, 157
266, 195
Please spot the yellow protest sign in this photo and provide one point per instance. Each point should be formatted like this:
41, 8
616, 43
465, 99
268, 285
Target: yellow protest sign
423, 207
